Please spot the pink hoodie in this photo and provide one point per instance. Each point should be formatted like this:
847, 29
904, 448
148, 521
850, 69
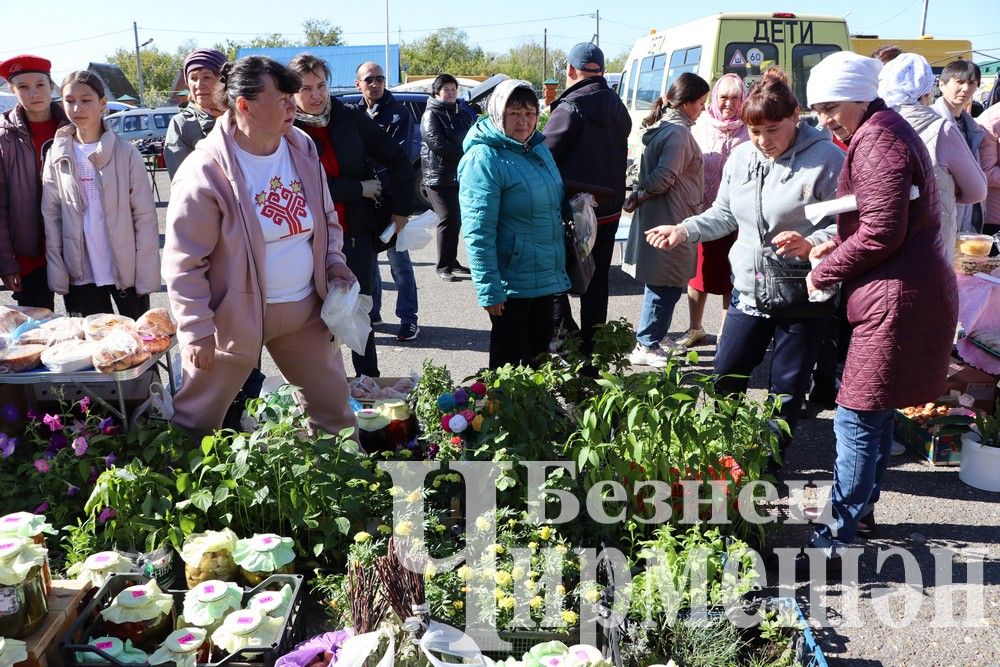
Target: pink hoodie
213, 258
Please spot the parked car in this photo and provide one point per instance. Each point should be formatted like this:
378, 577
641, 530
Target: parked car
142, 123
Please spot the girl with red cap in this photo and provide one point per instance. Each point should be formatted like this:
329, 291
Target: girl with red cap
25, 132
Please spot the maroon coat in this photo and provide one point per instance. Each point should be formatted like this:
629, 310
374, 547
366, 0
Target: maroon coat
901, 294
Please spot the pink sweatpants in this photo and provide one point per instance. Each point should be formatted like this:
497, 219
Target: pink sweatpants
299, 343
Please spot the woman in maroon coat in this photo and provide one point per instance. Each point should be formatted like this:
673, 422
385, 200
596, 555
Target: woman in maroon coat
901, 294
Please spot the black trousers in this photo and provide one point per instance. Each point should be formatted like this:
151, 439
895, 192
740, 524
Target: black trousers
522, 333
35, 290
594, 302
360, 253
90, 299
444, 201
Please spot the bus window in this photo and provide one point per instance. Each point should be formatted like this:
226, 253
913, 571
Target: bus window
749, 59
804, 58
650, 80
628, 89
683, 60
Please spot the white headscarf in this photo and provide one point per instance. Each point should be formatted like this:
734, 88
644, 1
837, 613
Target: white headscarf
498, 100
843, 77
905, 79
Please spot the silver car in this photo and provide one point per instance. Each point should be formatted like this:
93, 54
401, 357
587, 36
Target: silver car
142, 123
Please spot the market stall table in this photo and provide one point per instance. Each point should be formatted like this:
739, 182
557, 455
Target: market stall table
83, 379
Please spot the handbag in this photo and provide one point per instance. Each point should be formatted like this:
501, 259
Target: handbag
580, 265
780, 284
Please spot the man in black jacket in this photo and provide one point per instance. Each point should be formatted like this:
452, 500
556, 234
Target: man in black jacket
587, 133
397, 122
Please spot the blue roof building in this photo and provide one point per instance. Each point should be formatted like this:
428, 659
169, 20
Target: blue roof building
344, 60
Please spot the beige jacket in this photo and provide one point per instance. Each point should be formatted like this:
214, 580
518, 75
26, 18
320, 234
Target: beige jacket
129, 214
213, 259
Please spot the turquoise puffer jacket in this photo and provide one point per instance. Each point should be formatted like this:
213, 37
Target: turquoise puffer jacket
511, 198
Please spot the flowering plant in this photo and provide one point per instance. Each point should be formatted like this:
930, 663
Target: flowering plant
463, 412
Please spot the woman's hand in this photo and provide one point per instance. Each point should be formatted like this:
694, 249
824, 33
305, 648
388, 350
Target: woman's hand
371, 188
665, 237
399, 221
340, 272
495, 310
793, 245
632, 202
822, 250
809, 283
12, 281
201, 353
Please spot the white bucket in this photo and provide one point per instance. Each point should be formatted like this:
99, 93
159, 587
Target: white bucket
980, 466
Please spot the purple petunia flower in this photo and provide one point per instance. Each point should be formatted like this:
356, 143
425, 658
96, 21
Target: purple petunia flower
107, 514
110, 459
80, 446
57, 442
53, 422
72, 490
41, 465
107, 426
85, 404
41, 509
34, 415
93, 476
10, 412
7, 445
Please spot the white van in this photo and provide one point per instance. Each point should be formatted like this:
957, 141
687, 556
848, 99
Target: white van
744, 44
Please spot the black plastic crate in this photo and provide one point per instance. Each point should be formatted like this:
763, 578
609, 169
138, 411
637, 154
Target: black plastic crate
87, 624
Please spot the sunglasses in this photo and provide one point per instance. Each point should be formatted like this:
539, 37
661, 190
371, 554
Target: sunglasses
374, 79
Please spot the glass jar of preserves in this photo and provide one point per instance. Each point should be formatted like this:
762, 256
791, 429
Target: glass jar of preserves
273, 603
402, 426
246, 629
23, 602
209, 556
100, 567
263, 555
142, 614
372, 435
185, 648
33, 527
12, 651
208, 603
123, 652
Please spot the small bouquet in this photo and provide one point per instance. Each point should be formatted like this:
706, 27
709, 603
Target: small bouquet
464, 412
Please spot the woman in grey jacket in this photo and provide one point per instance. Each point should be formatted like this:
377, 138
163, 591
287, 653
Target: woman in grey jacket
786, 165
196, 120
670, 188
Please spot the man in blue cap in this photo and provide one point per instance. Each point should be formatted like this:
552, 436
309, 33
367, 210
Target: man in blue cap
587, 133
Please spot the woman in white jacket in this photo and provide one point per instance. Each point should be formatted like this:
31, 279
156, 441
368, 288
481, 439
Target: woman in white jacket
101, 232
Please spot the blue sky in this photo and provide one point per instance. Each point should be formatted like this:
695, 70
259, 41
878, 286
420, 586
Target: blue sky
71, 34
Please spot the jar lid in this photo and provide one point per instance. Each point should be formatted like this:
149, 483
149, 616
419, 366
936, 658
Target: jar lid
185, 640
243, 622
102, 560
110, 645
370, 419
210, 591
133, 597
265, 542
12, 522
11, 547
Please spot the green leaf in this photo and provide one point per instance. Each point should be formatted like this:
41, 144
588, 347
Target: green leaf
343, 525
221, 494
202, 499
317, 549
183, 482
206, 444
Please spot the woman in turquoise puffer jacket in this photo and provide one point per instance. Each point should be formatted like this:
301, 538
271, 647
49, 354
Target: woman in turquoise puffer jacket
511, 195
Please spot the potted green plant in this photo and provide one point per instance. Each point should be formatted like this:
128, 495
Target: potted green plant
980, 464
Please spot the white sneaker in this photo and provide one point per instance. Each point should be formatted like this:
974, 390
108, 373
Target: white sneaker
897, 448
654, 357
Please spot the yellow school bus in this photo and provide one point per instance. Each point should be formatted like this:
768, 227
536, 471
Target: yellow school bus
744, 44
938, 52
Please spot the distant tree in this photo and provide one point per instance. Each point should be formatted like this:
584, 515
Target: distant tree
320, 32
616, 64
275, 40
159, 69
445, 50
525, 61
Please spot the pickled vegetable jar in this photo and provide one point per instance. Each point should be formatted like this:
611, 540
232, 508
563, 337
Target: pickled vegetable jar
273, 603
372, 435
185, 647
33, 527
208, 556
246, 629
23, 603
208, 603
100, 567
402, 427
142, 614
263, 555
123, 652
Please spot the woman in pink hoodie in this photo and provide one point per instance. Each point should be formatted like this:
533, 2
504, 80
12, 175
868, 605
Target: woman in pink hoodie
252, 240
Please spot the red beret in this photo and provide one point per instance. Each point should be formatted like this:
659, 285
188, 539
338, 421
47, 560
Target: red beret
23, 64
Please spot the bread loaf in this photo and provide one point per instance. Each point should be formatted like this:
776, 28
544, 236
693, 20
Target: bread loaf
54, 331
156, 321
119, 350
69, 356
10, 319
20, 358
97, 327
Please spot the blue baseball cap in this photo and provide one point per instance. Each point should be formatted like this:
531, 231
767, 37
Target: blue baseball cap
584, 56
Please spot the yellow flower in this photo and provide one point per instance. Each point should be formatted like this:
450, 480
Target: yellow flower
413, 497
430, 570
530, 585
465, 572
545, 533
482, 523
532, 574
457, 604
532, 545
404, 528
511, 522
569, 617
560, 589
439, 528
496, 548
384, 529
362, 537
536, 602
465, 589
517, 573
379, 472
591, 595
503, 578
561, 549
395, 491
508, 603
499, 593
373, 486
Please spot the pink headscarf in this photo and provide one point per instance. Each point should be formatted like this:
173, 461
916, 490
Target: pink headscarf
715, 113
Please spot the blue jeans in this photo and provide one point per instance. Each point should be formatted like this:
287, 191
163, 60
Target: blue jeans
406, 287
657, 311
864, 443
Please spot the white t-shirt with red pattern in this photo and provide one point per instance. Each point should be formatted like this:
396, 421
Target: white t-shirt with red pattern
95, 232
277, 195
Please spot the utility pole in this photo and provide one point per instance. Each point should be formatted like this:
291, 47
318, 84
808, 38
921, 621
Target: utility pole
138, 63
388, 75
545, 54
597, 35
923, 19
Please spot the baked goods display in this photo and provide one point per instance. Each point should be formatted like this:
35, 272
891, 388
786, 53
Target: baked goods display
69, 356
53, 332
119, 350
156, 320
97, 327
20, 358
10, 319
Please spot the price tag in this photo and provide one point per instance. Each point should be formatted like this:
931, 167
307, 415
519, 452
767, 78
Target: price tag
187, 639
104, 645
138, 594
103, 558
265, 599
245, 620
268, 540
209, 589
7, 545
12, 519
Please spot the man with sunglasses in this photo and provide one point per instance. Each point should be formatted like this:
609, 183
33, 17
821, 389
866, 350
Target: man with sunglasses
396, 120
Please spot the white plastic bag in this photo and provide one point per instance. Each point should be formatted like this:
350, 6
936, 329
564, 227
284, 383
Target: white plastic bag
418, 232
442, 640
358, 649
584, 206
345, 312
70, 356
